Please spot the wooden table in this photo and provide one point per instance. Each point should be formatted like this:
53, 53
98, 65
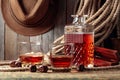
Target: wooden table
106, 74
87, 75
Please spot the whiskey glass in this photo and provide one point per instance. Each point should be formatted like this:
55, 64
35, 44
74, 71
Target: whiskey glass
30, 53
61, 58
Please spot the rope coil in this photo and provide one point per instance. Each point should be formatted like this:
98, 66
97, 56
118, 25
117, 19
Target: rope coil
104, 18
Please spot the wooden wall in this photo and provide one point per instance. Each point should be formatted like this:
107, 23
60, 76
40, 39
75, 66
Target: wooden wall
9, 39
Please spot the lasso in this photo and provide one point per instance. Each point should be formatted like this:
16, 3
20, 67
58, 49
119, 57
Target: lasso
104, 18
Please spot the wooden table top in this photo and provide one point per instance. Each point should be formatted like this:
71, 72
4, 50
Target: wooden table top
92, 75
103, 74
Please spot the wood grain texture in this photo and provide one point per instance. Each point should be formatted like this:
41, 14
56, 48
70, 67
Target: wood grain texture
70, 10
36, 39
45, 42
1, 37
21, 38
61, 19
118, 25
10, 44
51, 39
94, 75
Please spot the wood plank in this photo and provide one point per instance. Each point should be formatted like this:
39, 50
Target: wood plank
10, 44
20, 48
36, 39
22, 38
47, 40
44, 40
61, 19
70, 10
51, 39
58, 30
88, 75
118, 25
1, 37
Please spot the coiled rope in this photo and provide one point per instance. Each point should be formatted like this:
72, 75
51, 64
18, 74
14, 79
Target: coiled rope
102, 17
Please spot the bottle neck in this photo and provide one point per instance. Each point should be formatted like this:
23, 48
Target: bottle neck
83, 20
79, 19
75, 20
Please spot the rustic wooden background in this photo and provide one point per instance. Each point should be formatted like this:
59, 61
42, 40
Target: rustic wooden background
9, 39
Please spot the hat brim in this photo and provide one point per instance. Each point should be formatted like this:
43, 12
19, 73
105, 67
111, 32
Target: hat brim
45, 24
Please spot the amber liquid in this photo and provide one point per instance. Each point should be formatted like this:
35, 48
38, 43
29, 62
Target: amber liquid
83, 48
61, 61
33, 59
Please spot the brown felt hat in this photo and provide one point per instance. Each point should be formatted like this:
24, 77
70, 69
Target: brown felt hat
29, 17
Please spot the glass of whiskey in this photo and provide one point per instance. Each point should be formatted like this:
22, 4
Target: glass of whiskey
61, 58
30, 53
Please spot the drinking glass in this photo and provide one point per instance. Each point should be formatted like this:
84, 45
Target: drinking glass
30, 53
61, 58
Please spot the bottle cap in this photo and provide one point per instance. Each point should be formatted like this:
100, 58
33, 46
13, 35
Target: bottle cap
75, 19
84, 18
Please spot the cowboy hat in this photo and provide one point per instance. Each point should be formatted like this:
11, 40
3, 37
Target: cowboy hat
29, 17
